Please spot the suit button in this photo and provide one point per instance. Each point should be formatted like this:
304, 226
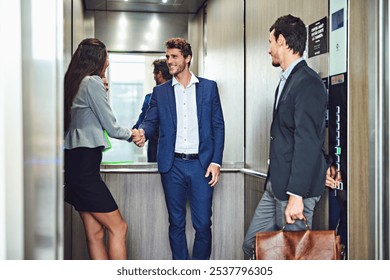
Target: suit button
272, 137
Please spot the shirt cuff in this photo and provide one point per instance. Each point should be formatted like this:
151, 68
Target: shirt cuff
293, 194
216, 164
131, 134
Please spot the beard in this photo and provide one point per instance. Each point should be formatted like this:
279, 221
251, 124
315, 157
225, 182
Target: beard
275, 64
177, 70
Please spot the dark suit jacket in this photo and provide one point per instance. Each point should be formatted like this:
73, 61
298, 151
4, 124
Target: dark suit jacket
162, 114
297, 160
152, 142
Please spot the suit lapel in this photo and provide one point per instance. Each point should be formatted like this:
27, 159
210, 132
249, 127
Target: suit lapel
283, 93
172, 103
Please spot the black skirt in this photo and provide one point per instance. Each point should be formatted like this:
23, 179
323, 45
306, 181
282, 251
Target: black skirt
84, 187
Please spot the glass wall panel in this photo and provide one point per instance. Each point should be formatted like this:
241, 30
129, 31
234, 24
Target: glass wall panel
130, 78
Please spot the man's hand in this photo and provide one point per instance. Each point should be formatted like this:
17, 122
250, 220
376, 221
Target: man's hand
215, 171
333, 177
294, 209
138, 137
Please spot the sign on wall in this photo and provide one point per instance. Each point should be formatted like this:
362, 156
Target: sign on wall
318, 37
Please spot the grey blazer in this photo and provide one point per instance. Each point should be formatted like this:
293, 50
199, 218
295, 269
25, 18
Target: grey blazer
91, 114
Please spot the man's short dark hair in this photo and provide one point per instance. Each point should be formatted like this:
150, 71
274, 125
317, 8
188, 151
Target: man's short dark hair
160, 65
294, 31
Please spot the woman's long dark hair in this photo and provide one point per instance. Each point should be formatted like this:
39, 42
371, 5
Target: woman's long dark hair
88, 60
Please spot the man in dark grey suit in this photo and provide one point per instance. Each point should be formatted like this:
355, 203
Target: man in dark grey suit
297, 165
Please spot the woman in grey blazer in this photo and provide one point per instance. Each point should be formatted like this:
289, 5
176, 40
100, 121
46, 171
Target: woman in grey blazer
87, 114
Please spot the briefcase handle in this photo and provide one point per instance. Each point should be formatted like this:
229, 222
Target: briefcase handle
297, 220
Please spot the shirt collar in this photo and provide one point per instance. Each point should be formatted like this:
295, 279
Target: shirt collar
193, 80
286, 73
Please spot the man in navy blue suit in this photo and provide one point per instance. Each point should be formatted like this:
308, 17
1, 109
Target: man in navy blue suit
187, 110
161, 75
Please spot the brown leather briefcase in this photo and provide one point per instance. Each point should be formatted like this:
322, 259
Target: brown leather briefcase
298, 245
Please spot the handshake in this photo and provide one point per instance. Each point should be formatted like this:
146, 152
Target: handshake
138, 137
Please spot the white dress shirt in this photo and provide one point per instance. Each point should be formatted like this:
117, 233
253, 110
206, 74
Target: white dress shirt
187, 135
283, 78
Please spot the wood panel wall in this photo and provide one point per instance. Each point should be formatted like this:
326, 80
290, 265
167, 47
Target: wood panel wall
358, 138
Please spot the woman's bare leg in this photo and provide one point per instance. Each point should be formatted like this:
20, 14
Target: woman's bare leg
117, 231
94, 232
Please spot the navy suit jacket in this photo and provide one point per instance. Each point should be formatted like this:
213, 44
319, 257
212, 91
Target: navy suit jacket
152, 142
297, 159
162, 115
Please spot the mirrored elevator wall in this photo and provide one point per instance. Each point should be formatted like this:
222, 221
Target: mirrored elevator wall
42, 72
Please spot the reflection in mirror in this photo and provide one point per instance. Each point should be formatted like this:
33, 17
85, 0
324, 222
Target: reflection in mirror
130, 78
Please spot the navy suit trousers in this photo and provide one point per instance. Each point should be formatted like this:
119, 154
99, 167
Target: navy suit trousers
186, 181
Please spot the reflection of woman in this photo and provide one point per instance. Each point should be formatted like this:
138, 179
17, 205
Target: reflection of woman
87, 114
